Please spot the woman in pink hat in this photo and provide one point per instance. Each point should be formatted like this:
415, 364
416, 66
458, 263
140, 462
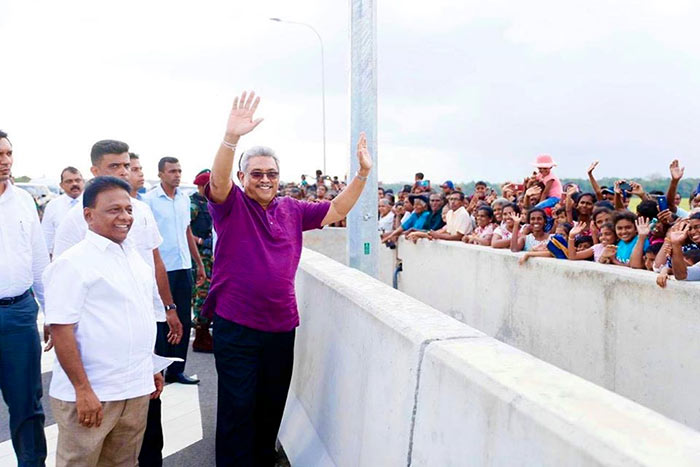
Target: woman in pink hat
552, 186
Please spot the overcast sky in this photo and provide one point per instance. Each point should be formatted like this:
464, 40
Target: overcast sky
467, 89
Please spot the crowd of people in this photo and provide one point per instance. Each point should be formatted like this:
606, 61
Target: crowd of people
545, 218
122, 275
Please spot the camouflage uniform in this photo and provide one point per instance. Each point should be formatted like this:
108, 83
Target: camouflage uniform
201, 224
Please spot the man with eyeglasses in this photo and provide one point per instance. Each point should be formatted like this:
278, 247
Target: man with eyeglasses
252, 298
171, 208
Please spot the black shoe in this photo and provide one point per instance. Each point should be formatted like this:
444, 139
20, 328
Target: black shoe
180, 378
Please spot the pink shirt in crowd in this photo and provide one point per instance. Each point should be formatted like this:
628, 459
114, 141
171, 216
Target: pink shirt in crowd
555, 190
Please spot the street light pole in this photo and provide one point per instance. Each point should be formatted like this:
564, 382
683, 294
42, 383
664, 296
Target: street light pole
323, 82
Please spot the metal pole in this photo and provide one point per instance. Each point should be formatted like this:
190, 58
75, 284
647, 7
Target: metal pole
363, 235
323, 82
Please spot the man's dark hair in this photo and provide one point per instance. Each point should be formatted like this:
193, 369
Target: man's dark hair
560, 211
100, 184
480, 183
70, 169
459, 194
420, 176
657, 193
648, 208
106, 146
166, 160
4, 135
133, 155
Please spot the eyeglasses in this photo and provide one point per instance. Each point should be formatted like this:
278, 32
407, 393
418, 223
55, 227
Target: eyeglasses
258, 175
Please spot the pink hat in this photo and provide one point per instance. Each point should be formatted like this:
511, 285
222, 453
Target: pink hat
544, 161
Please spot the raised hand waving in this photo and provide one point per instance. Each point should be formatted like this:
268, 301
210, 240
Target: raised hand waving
240, 120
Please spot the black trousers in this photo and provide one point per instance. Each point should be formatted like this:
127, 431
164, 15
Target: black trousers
151, 454
254, 369
20, 380
181, 287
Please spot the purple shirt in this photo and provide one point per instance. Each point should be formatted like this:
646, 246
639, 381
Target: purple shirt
256, 258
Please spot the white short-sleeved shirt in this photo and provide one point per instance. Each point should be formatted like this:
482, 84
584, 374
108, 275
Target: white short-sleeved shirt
105, 289
144, 237
23, 254
459, 221
54, 213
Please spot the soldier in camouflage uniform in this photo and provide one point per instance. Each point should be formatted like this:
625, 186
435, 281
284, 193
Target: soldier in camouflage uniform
201, 224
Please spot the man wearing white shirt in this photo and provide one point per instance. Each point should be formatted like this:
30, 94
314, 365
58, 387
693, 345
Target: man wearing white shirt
72, 184
24, 257
458, 222
99, 303
110, 157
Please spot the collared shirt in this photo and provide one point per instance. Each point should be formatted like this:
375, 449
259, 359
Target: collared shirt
23, 253
435, 221
459, 221
54, 213
257, 255
173, 218
105, 289
143, 236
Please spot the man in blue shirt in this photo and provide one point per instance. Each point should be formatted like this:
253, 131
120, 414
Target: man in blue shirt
171, 208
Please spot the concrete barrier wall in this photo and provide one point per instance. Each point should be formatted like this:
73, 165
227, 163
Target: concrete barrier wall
610, 325
382, 379
332, 242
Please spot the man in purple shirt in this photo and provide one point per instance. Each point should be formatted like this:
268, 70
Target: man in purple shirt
252, 299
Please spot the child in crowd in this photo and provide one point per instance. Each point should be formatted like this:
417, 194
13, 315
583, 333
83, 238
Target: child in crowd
503, 233
632, 233
583, 242
556, 246
597, 251
484, 227
552, 191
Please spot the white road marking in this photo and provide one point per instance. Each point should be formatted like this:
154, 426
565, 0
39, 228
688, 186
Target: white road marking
182, 425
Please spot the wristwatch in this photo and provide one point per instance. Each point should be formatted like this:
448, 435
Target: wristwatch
172, 306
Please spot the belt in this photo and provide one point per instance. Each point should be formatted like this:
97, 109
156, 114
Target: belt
13, 300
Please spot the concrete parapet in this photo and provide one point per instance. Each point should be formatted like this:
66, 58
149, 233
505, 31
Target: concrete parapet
382, 379
608, 324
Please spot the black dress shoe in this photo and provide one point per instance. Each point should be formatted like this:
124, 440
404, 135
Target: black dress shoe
180, 378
